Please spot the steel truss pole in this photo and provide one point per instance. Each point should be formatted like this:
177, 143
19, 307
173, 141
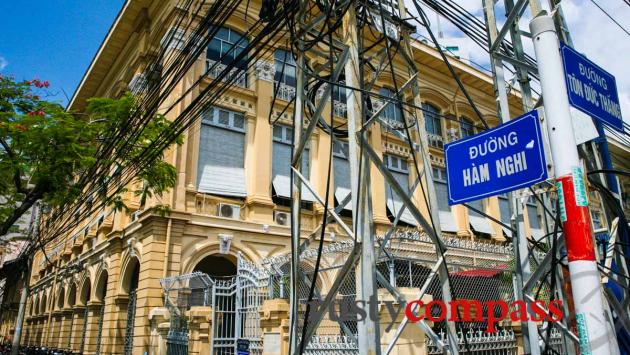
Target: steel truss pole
585, 279
523, 270
366, 289
422, 137
296, 190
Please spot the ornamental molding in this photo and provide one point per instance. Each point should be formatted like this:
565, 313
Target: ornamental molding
265, 70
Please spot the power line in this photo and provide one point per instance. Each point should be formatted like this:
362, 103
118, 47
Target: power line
610, 17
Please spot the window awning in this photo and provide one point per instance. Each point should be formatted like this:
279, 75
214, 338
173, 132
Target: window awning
447, 222
395, 206
507, 232
282, 188
222, 180
340, 195
478, 272
480, 224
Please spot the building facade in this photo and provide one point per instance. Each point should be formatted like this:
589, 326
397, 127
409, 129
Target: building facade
232, 195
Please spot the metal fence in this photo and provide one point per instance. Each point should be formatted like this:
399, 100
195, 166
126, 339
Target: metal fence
479, 271
479, 342
235, 302
180, 293
177, 342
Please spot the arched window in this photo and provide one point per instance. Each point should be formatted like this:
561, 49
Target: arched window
225, 47
392, 112
466, 127
286, 69
432, 120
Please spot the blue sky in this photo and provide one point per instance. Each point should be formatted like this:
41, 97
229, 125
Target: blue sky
53, 40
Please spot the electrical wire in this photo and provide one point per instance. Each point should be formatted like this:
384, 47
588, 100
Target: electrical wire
610, 17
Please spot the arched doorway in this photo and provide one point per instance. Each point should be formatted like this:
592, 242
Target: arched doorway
217, 266
43, 309
101, 292
59, 318
84, 298
130, 285
72, 298
220, 268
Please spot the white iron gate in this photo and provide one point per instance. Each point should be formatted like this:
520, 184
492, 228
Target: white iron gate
236, 304
224, 317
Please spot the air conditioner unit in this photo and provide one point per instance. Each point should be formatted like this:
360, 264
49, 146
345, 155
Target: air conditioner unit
229, 211
281, 218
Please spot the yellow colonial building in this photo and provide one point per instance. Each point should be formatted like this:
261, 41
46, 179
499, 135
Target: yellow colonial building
230, 207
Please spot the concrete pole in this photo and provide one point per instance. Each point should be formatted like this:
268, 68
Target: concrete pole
583, 270
19, 322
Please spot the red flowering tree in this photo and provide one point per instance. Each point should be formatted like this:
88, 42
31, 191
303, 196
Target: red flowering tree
44, 148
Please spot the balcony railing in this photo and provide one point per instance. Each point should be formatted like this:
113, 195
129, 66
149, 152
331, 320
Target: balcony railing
436, 141
285, 92
340, 108
237, 76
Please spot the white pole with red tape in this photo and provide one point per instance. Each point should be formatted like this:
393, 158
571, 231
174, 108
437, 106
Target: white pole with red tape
585, 278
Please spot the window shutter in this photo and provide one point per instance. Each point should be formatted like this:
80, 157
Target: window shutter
532, 213
441, 190
221, 167
506, 214
478, 204
281, 165
397, 167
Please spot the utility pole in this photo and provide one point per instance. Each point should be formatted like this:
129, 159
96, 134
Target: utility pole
368, 329
520, 243
19, 322
585, 278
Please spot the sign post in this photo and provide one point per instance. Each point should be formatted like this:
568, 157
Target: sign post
591, 89
585, 278
503, 159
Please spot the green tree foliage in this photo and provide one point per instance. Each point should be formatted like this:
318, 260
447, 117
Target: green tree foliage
46, 152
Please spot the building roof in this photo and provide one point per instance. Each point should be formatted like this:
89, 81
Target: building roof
124, 26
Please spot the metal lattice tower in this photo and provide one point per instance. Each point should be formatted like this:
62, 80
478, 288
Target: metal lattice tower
348, 55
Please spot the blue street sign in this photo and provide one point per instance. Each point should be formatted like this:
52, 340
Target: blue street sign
242, 347
505, 158
591, 88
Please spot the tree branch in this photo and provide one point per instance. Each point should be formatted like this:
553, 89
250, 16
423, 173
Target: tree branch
28, 202
17, 177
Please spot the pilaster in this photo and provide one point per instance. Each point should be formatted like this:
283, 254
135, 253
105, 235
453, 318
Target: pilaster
77, 327
412, 340
200, 321
377, 181
494, 211
91, 333
64, 334
274, 322
259, 146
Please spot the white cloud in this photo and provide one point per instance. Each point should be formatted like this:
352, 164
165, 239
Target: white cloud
593, 34
3, 63
597, 37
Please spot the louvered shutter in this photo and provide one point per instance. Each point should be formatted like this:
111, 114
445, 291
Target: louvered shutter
281, 165
221, 166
